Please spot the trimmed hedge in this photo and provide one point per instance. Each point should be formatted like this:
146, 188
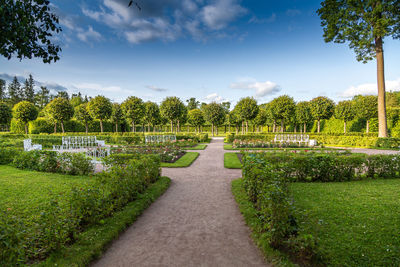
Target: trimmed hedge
267, 177
350, 139
74, 211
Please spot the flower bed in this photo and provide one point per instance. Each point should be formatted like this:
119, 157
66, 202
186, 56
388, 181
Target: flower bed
259, 143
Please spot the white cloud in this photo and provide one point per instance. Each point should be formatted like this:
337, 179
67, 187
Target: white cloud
218, 15
214, 98
90, 34
369, 89
167, 21
115, 93
256, 20
155, 88
261, 88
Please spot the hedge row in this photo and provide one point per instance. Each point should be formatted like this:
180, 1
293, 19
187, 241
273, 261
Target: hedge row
71, 212
356, 139
267, 177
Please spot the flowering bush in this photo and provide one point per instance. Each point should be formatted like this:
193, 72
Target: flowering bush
169, 152
259, 143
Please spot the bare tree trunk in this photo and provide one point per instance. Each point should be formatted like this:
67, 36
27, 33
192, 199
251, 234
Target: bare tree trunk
101, 125
242, 127
62, 127
216, 129
178, 128
381, 88
247, 127
274, 127
26, 128
345, 126
367, 126
55, 127
295, 128
281, 126
318, 124
133, 127
212, 129
305, 127
86, 127
172, 127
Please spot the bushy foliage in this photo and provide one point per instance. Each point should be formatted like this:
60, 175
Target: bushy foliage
25, 112
100, 108
75, 210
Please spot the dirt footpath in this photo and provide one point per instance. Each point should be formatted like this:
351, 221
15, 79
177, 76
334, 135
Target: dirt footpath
195, 223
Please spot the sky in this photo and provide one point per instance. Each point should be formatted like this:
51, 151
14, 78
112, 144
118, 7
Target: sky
213, 50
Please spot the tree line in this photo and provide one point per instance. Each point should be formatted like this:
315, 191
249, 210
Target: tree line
24, 104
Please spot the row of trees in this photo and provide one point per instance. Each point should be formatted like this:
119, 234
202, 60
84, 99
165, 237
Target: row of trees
279, 113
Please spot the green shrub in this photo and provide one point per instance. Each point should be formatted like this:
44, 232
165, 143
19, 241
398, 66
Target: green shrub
69, 213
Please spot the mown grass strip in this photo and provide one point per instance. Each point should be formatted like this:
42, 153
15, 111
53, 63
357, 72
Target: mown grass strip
183, 162
91, 243
198, 147
231, 161
272, 256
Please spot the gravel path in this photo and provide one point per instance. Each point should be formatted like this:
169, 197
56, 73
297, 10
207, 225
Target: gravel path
195, 223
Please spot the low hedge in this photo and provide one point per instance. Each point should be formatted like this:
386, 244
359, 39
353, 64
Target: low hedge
71, 212
351, 139
267, 177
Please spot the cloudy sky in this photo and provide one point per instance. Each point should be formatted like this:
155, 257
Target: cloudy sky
214, 50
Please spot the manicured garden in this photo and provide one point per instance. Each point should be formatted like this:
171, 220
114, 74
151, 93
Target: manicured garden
322, 208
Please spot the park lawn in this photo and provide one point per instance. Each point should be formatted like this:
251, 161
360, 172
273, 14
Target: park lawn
185, 161
231, 161
356, 223
198, 147
23, 193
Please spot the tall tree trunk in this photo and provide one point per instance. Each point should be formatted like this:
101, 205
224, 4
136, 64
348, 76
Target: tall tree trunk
55, 127
319, 124
295, 128
133, 127
345, 126
178, 128
216, 129
62, 127
86, 127
26, 128
116, 127
101, 125
281, 126
367, 126
242, 127
212, 129
247, 127
172, 127
381, 88
305, 128
274, 127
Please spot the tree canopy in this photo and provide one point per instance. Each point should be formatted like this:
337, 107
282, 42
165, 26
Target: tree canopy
366, 107
344, 110
196, 118
82, 115
100, 108
283, 108
303, 114
322, 108
172, 109
247, 109
25, 112
133, 108
60, 110
27, 29
214, 114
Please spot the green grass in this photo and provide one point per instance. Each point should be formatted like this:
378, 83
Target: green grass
231, 161
198, 147
275, 257
91, 243
357, 223
184, 161
23, 192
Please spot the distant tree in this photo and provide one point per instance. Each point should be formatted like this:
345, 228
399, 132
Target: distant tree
172, 109
247, 109
261, 118
5, 114
60, 110
133, 108
192, 103
42, 97
196, 118
117, 116
3, 92
366, 107
344, 110
152, 115
25, 112
82, 115
392, 100
283, 108
214, 114
15, 92
303, 114
100, 108
27, 29
322, 108
29, 91
76, 100
63, 94
227, 106
364, 25
234, 119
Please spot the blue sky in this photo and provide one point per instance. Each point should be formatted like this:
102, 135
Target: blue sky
218, 50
